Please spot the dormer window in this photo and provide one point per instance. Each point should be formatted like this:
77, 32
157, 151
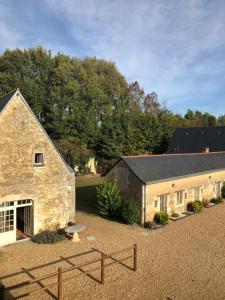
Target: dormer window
39, 159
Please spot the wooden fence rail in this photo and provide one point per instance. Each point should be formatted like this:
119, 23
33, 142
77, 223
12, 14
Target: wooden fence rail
59, 273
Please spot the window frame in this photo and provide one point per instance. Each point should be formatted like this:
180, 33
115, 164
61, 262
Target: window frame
37, 157
181, 199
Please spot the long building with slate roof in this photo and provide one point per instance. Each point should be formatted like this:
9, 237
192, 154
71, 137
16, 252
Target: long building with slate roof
168, 182
198, 139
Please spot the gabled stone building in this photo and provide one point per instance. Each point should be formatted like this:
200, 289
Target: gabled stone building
37, 187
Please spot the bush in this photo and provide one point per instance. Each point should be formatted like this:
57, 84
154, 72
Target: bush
130, 212
223, 191
175, 215
48, 237
109, 199
205, 202
216, 200
195, 206
161, 218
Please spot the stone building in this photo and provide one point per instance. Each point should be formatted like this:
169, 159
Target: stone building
197, 139
37, 187
168, 182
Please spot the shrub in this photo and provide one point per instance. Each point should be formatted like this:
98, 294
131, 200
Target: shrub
175, 215
109, 199
130, 212
161, 218
150, 225
195, 206
48, 237
213, 200
216, 200
205, 202
223, 191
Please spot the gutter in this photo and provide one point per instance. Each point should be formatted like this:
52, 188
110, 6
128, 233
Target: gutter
144, 201
185, 176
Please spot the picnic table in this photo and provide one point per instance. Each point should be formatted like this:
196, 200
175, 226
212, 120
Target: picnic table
73, 231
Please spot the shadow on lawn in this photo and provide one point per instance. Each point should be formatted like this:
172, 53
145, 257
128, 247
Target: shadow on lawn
86, 199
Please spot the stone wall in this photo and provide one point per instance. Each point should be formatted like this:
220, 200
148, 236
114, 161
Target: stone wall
130, 185
51, 186
206, 183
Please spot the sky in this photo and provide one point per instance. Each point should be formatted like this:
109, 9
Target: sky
175, 48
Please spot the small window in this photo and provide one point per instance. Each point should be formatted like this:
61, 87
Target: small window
39, 160
156, 203
179, 196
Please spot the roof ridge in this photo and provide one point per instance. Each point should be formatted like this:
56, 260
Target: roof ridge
194, 127
172, 154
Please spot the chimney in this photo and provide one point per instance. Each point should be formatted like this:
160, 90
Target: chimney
205, 149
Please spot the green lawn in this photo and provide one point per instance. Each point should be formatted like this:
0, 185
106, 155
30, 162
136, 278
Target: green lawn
86, 193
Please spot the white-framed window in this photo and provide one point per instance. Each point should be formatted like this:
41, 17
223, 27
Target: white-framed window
179, 197
218, 186
163, 202
39, 159
197, 193
156, 203
6, 220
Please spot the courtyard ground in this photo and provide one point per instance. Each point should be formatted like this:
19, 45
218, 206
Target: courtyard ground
183, 260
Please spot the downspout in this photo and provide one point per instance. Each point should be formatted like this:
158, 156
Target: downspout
144, 201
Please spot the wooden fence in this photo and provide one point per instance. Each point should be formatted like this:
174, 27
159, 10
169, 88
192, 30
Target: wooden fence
60, 272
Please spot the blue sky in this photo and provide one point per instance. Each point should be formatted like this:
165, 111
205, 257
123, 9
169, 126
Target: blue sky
175, 48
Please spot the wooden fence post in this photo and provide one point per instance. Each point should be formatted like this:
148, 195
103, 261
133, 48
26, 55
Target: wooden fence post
60, 288
2, 291
135, 257
102, 268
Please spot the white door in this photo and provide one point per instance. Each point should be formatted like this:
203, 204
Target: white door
163, 203
7, 223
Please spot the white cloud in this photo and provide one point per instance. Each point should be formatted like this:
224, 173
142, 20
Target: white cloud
162, 44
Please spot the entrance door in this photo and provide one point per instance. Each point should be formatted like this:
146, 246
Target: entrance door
28, 220
24, 221
163, 202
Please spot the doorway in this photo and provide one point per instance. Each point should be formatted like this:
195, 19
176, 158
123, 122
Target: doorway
163, 202
24, 222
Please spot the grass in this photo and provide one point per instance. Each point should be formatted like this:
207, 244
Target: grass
86, 193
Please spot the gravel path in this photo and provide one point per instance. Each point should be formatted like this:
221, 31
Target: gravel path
183, 260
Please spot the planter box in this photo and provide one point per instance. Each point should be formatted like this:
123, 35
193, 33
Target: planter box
181, 216
189, 213
210, 205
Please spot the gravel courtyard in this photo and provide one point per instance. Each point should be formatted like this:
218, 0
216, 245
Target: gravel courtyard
183, 260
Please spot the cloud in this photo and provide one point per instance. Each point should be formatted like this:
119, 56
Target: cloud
175, 47
164, 45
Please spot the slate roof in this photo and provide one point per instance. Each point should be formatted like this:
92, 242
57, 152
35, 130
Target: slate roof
6, 98
164, 167
194, 139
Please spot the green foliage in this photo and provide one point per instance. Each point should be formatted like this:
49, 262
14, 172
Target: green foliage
108, 199
175, 215
206, 202
130, 212
161, 218
223, 191
195, 206
48, 237
88, 108
216, 200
